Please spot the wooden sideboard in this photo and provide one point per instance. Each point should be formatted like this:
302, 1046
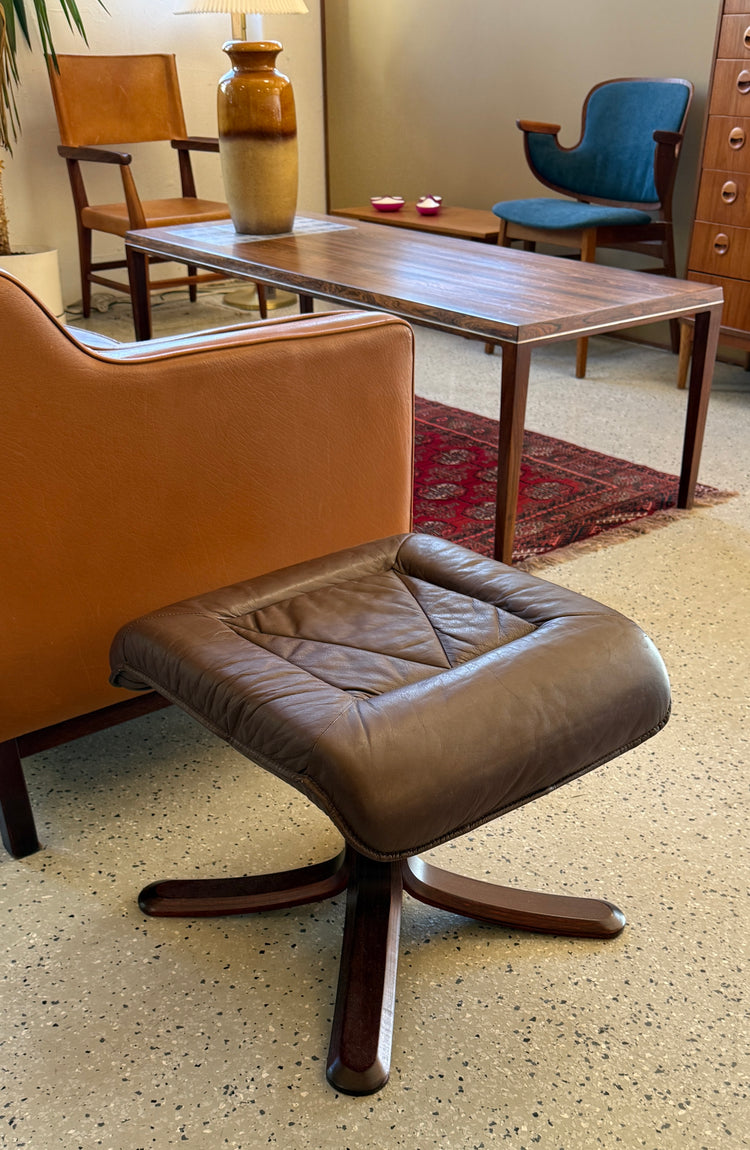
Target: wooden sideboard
720, 241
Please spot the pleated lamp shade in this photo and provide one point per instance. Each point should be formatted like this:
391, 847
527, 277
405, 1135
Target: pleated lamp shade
249, 7
239, 9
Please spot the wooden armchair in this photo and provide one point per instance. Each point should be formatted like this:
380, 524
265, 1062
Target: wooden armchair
620, 176
141, 473
101, 100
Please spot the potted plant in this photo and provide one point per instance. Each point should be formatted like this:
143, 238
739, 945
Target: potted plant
14, 17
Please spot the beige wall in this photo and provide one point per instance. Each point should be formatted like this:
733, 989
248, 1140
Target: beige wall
423, 95
35, 179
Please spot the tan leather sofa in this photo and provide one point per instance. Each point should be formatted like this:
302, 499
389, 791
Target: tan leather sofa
140, 474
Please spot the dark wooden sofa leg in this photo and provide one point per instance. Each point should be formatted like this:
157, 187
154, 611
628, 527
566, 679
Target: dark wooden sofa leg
16, 818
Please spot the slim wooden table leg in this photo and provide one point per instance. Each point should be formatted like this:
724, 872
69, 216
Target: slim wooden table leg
705, 343
359, 1057
139, 293
582, 354
514, 389
306, 304
588, 256
686, 350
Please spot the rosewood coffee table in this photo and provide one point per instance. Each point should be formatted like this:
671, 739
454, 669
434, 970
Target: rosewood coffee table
517, 299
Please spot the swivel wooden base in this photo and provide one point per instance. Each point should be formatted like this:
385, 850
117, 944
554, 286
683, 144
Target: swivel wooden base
360, 1050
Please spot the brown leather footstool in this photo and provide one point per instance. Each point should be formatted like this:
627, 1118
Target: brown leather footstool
412, 690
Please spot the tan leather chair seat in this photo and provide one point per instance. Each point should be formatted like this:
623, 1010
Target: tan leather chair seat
158, 214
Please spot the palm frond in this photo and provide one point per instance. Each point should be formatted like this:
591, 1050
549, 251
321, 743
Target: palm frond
14, 16
9, 124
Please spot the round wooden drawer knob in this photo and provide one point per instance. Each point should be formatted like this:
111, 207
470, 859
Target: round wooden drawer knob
721, 244
743, 82
729, 192
737, 138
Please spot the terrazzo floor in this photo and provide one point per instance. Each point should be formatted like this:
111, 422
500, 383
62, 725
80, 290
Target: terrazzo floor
125, 1032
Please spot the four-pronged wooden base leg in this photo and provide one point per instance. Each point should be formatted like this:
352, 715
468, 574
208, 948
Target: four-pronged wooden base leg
524, 909
359, 1056
360, 1049
209, 897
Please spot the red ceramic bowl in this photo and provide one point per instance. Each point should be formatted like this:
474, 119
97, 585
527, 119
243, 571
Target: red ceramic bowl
429, 205
387, 203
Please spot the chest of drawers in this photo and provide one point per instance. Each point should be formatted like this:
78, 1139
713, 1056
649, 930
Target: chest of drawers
720, 241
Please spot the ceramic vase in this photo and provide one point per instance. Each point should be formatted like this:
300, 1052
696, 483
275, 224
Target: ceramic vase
258, 139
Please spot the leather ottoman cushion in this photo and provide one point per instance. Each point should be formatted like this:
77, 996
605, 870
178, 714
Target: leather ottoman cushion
410, 688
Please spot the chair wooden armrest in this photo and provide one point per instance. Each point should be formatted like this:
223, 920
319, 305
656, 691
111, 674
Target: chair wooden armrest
74, 156
671, 138
197, 144
668, 145
537, 126
94, 155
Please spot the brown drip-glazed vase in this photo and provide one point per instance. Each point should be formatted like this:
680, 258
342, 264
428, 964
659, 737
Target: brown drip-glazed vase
258, 140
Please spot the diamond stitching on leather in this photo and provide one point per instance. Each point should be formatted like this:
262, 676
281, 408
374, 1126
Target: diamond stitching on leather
375, 634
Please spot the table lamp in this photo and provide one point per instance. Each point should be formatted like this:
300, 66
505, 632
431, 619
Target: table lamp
241, 9
257, 126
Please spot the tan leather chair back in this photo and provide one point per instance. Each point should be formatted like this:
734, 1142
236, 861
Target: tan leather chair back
116, 99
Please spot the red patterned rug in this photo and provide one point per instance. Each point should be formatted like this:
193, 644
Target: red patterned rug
567, 494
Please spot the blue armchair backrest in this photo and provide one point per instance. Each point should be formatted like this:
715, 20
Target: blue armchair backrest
615, 158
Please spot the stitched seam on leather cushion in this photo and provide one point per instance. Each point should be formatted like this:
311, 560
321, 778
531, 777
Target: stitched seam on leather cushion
310, 787
400, 576
247, 631
128, 628
502, 640
248, 637
265, 761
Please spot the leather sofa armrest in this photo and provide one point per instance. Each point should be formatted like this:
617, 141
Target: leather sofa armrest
141, 474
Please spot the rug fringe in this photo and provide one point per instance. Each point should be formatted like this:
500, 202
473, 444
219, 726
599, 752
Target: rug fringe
613, 535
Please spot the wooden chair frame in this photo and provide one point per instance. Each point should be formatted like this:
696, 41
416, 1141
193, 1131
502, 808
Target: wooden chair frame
655, 240
72, 80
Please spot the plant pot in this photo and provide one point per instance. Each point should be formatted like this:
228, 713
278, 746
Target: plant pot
39, 270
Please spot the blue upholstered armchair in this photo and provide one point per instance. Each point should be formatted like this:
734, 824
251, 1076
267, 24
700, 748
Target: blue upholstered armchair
620, 174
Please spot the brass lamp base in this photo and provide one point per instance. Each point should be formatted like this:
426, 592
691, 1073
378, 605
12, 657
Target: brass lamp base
247, 299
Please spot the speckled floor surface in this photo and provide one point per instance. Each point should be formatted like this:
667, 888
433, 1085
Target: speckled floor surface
124, 1032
